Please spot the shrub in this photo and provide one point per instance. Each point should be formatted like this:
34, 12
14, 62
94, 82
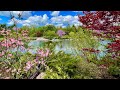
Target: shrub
38, 34
60, 33
50, 74
50, 27
63, 66
87, 70
50, 34
84, 39
72, 34
114, 71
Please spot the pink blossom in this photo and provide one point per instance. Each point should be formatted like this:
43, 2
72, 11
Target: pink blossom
43, 53
9, 55
8, 70
5, 44
29, 64
20, 43
43, 62
12, 40
14, 45
40, 52
37, 61
61, 33
47, 52
1, 55
7, 32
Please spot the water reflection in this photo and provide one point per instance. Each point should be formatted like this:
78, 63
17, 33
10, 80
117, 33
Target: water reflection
61, 45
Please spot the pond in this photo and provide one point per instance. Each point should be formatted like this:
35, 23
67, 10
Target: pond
61, 45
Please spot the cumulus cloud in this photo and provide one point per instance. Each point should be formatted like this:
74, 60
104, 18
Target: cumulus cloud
55, 13
60, 25
11, 22
68, 19
25, 14
37, 20
32, 20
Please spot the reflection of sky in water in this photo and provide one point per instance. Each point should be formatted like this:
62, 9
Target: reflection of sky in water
102, 48
64, 45
19, 50
36, 43
33, 51
68, 49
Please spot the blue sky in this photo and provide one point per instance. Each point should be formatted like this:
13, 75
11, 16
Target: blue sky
41, 18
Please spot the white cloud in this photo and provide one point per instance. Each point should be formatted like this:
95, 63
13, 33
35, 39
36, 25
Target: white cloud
32, 20
57, 20
11, 22
60, 25
68, 19
55, 13
25, 14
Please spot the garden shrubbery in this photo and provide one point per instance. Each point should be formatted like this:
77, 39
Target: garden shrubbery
83, 65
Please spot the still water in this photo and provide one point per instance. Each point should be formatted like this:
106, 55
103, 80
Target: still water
62, 45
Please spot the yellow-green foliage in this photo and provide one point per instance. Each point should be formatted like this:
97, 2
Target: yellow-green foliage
87, 70
50, 34
50, 74
71, 34
62, 66
84, 39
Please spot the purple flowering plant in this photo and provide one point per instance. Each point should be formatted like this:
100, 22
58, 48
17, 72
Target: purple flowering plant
61, 33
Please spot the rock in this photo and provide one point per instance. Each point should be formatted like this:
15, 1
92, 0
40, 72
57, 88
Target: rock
40, 76
42, 39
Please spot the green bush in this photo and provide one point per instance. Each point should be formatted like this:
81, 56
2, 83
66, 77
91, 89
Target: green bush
65, 37
35, 32
50, 27
63, 66
114, 70
71, 34
87, 70
84, 39
69, 29
50, 34
50, 74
